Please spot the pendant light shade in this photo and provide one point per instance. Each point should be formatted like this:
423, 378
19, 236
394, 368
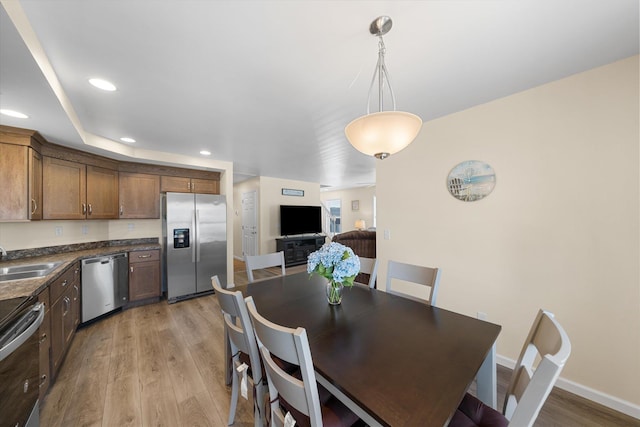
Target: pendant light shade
383, 133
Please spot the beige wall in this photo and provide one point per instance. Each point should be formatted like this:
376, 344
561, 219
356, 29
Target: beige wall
27, 235
364, 195
269, 199
560, 231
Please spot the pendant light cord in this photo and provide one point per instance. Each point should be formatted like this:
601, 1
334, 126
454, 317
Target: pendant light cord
382, 74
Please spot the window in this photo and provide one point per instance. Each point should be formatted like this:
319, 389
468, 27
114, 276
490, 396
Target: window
334, 206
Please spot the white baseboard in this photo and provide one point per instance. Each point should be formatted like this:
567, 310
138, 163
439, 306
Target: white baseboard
604, 399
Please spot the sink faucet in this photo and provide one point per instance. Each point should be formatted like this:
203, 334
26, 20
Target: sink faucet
4, 252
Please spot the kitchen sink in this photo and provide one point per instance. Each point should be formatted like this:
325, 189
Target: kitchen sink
27, 271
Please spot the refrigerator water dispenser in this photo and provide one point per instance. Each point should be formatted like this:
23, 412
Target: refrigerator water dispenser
180, 238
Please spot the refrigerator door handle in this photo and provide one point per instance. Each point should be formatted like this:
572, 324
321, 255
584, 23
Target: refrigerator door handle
194, 237
198, 235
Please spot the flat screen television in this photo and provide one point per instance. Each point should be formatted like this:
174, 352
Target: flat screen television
300, 219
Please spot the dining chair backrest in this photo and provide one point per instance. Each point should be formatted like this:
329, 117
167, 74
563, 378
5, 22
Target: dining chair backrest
530, 385
258, 262
426, 276
290, 345
242, 340
369, 266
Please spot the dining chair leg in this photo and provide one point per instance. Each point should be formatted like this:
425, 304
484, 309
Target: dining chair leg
258, 403
228, 366
487, 380
234, 398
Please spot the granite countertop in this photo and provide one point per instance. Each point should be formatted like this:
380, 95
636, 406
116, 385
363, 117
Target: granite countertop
26, 287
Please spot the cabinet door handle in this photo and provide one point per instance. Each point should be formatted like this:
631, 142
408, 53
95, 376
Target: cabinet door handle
131, 269
144, 256
188, 185
84, 208
75, 287
43, 379
67, 305
43, 337
121, 210
90, 209
64, 283
35, 206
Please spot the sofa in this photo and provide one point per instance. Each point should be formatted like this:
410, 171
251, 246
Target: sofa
362, 242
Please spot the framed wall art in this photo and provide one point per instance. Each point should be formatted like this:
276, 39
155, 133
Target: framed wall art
292, 192
471, 180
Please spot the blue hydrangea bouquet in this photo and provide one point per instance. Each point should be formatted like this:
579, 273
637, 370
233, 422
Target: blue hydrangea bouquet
337, 263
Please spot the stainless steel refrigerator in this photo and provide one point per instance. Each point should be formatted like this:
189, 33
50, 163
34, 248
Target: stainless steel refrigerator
195, 243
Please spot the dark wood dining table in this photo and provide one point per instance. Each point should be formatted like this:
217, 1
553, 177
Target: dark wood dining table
393, 361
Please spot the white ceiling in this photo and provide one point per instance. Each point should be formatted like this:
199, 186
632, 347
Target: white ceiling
270, 85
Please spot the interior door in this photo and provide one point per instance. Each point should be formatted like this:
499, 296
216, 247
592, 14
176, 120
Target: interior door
249, 224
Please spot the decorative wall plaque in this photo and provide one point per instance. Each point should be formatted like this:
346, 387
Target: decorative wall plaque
471, 180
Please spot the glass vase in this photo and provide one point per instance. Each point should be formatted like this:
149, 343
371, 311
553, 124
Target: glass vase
334, 292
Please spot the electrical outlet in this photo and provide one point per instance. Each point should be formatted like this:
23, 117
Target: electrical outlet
58, 230
131, 226
387, 234
85, 229
482, 316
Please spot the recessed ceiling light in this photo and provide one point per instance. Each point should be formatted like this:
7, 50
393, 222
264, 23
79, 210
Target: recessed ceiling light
103, 84
12, 113
205, 153
127, 139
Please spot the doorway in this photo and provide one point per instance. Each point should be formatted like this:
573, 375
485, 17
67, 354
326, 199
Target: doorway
249, 224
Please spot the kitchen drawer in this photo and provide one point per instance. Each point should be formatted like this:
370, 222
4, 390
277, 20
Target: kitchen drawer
43, 297
64, 282
144, 256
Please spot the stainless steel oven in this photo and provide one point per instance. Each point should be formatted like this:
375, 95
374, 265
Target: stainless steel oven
19, 361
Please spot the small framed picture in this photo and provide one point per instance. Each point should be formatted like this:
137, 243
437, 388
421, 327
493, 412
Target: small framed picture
355, 205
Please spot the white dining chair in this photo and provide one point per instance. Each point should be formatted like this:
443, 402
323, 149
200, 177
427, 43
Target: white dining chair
294, 395
530, 383
369, 266
259, 262
244, 350
425, 276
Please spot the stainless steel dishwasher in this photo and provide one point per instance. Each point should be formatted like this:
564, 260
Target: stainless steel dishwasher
105, 285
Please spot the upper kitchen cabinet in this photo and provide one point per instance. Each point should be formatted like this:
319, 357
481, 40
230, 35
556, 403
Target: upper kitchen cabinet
73, 190
21, 183
65, 189
20, 174
102, 193
179, 184
139, 195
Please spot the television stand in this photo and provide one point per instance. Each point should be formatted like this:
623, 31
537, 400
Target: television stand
296, 249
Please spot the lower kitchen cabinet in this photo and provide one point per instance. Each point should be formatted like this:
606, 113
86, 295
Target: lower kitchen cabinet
65, 313
44, 342
144, 275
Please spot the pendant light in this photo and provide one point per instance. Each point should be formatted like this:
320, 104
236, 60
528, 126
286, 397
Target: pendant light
383, 133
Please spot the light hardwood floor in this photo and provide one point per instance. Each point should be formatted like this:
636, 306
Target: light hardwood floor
162, 365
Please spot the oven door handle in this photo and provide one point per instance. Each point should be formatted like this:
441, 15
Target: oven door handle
11, 346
